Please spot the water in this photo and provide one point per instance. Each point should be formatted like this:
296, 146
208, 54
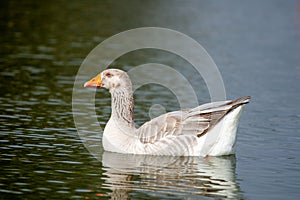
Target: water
255, 45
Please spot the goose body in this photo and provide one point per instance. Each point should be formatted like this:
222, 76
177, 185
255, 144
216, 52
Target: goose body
209, 129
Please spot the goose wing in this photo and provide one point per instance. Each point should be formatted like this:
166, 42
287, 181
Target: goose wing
190, 123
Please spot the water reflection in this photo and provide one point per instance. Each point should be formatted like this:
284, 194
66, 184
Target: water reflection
169, 176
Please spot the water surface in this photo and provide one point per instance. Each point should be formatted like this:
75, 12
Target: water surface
255, 45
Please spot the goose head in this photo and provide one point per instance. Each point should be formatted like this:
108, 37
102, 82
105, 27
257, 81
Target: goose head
111, 79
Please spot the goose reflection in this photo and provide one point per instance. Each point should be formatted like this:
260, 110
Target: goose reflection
169, 176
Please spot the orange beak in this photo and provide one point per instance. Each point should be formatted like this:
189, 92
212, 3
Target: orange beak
94, 82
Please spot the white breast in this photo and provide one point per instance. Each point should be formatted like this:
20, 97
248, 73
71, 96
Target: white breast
120, 139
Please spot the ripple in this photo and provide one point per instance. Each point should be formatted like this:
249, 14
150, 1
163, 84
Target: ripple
83, 190
26, 190
23, 103
55, 181
10, 191
33, 155
33, 56
43, 189
23, 109
64, 171
62, 145
46, 49
39, 145
16, 146
8, 116
33, 70
70, 162
62, 192
21, 184
39, 172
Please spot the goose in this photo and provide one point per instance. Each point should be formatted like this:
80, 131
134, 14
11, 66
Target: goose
207, 130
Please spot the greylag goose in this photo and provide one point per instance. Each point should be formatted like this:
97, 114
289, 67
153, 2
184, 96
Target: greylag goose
209, 129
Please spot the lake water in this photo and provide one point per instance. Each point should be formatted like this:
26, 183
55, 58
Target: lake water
255, 45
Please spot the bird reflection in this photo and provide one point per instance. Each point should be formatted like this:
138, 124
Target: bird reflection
167, 176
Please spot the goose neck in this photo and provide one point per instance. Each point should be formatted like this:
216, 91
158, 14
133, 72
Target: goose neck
122, 106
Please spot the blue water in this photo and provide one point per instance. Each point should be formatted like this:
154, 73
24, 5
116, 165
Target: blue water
255, 45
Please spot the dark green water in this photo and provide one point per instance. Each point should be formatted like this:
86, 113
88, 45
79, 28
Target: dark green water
256, 46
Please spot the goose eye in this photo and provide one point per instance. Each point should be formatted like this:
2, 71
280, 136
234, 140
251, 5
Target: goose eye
108, 74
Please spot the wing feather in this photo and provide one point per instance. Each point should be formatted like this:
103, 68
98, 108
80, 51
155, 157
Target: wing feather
188, 123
